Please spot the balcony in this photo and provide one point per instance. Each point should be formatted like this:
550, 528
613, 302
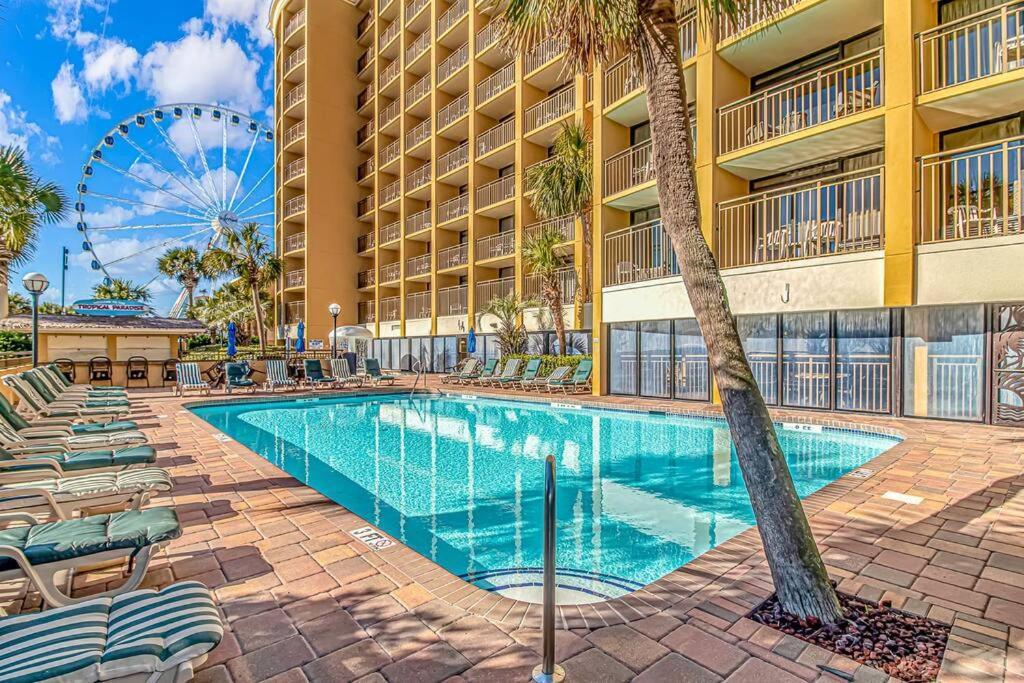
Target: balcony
489, 89
831, 112
417, 266
418, 135
486, 37
294, 312
365, 243
492, 289
453, 111
451, 17
495, 138
390, 272
389, 74
295, 59
453, 159
414, 8
295, 278
540, 55
453, 257
366, 312
391, 232
533, 286
629, 178
837, 215
295, 169
972, 192
418, 178
637, 254
390, 193
495, 192
453, 300
364, 26
363, 65
417, 90
296, 242
418, 48
390, 309
389, 34
295, 24
295, 96
417, 222
366, 279
295, 206
364, 97
499, 245
563, 225
364, 206
452, 64
453, 209
417, 305
971, 69
390, 153
389, 113
364, 170
365, 133
295, 134
546, 112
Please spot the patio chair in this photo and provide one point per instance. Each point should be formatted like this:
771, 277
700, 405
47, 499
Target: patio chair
190, 379
457, 370
67, 368
19, 423
62, 497
487, 371
138, 370
580, 380
169, 372
101, 370
469, 370
60, 383
236, 376
277, 376
510, 373
854, 100
64, 436
315, 377
529, 374
45, 552
64, 408
372, 368
50, 393
542, 383
343, 373
141, 635
19, 456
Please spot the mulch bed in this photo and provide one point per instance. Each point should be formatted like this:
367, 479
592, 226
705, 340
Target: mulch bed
903, 645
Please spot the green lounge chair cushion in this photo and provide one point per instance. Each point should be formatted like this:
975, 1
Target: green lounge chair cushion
84, 460
105, 483
76, 538
49, 397
108, 428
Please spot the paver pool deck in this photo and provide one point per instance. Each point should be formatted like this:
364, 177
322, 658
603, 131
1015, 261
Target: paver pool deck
936, 525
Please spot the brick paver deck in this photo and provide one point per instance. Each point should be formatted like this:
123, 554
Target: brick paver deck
936, 525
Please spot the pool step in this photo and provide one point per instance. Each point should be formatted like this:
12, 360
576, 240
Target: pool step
573, 586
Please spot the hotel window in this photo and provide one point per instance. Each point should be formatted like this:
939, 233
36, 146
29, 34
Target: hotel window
622, 350
759, 334
656, 359
507, 170
863, 361
806, 360
641, 132
507, 224
691, 375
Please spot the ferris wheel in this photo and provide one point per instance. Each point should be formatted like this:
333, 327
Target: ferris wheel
173, 175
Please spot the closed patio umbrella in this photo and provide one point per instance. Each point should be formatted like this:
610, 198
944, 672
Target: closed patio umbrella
232, 340
300, 342
471, 341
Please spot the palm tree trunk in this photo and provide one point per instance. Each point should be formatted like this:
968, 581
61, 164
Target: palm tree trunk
553, 293
588, 255
799, 574
260, 332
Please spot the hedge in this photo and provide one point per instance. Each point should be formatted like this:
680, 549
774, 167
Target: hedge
548, 363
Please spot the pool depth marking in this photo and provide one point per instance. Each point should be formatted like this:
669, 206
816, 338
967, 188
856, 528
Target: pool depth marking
371, 538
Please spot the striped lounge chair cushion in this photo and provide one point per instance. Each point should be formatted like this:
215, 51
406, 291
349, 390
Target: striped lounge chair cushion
130, 481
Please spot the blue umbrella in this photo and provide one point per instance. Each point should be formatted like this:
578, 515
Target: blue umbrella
232, 340
471, 341
300, 343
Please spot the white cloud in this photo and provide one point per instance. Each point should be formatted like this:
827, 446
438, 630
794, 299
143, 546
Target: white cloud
16, 130
109, 62
65, 17
253, 15
69, 105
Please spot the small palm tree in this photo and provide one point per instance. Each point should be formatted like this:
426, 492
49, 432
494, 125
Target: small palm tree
248, 256
540, 254
510, 333
647, 31
186, 266
121, 289
564, 185
18, 304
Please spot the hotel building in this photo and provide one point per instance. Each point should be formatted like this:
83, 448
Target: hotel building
860, 175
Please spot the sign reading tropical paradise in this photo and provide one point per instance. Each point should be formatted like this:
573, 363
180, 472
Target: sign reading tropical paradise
110, 307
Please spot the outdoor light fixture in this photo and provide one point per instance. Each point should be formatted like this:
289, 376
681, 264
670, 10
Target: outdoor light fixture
35, 284
335, 311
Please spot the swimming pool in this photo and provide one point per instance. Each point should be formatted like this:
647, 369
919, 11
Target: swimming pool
460, 480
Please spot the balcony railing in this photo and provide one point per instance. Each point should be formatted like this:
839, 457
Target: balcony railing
621, 79
390, 309
551, 109
497, 82
533, 287
295, 278
982, 44
390, 113
365, 132
390, 233
417, 221
486, 36
391, 192
389, 73
453, 300
496, 191
492, 289
366, 312
753, 13
418, 47
688, 35
456, 207
295, 96
391, 272
541, 54
295, 58
366, 278
390, 153
294, 169
417, 305
295, 133
629, 168
564, 225
364, 206
295, 23
418, 178
294, 312
417, 265
453, 111
493, 138
364, 97
420, 133
417, 90
452, 16
638, 253
364, 170
295, 205
364, 24
453, 63
295, 242
453, 257
390, 33
453, 159
972, 192
493, 246
364, 61
835, 215
413, 8
365, 242
381, 4
836, 91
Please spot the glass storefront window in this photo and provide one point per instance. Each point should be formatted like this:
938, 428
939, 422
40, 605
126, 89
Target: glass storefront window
806, 360
759, 334
944, 362
863, 361
622, 358
656, 359
691, 374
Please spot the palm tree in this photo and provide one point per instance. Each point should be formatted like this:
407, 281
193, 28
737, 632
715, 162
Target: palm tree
247, 255
184, 265
510, 333
17, 304
121, 289
563, 185
232, 302
540, 254
648, 32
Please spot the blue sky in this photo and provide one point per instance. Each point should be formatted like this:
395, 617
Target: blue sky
73, 69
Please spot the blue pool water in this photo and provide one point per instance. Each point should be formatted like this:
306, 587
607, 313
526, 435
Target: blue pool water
460, 480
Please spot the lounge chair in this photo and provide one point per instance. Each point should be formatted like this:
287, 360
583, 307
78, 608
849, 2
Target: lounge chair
541, 383
315, 377
237, 377
477, 375
277, 376
36, 405
58, 381
63, 436
342, 374
529, 374
470, 369
459, 368
20, 424
580, 380
372, 366
190, 379
49, 490
510, 373
142, 635
21, 458
38, 381
44, 552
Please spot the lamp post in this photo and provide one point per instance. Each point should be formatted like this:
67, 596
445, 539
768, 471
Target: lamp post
335, 311
36, 284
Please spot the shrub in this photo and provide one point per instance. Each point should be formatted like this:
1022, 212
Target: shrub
547, 363
14, 341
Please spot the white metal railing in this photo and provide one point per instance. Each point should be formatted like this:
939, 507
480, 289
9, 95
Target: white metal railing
390, 152
295, 23
366, 312
364, 170
453, 159
493, 138
366, 278
491, 289
390, 33
418, 47
390, 232
390, 308
533, 286
420, 133
453, 111
389, 73
295, 205
688, 35
456, 207
972, 192
364, 205
497, 82
496, 191
551, 108
832, 92
752, 13
365, 96
451, 16
295, 58
365, 133
295, 133
486, 36
417, 221
413, 8
621, 79
364, 61
564, 225
417, 90
629, 168
295, 242
418, 178
365, 242
294, 312
453, 300
452, 257
391, 192
863, 381
417, 305
498, 244
982, 44
294, 169
834, 215
391, 272
390, 113
381, 4
638, 253
295, 95
452, 63
417, 265
542, 53
295, 278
